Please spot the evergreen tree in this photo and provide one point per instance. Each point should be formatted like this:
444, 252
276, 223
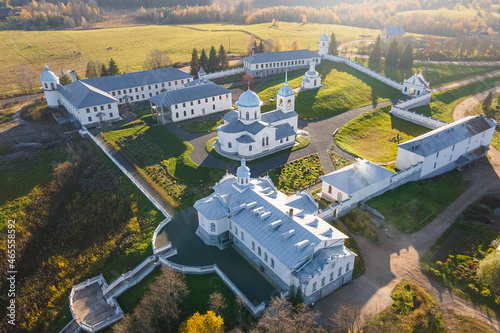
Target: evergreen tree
195, 63
486, 105
212, 61
377, 51
204, 60
392, 57
332, 47
223, 62
113, 67
64, 78
406, 60
104, 70
93, 69
261, 48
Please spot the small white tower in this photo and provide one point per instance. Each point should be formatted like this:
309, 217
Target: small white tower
285, 99
312, 79
324, 43
243, 173
249, 107
49, 86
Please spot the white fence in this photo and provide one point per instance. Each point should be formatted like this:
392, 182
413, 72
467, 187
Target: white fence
227, 72
255, 310
155, 235
363, 69
417, 118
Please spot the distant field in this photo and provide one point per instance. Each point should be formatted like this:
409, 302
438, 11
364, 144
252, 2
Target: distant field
71, 49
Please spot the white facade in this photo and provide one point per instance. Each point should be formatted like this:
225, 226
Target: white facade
416, 85
50, 81
392, 32
324, 44
264, 64
144, 93
311, 79
89, 116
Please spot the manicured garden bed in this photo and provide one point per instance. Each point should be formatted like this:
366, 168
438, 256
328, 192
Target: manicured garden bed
203, 126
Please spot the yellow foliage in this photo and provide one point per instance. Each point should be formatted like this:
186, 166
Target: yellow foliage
208, 323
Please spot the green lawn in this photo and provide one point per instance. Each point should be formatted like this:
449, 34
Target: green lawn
358, 221
338, 161
346, 89
413, 205
7, 112
165, 159
297, 175
350, 243
449, 260
373, 135
71, 49
495, 105
203, 126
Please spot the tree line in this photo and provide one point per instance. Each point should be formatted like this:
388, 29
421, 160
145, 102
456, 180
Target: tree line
214, 62
395, 56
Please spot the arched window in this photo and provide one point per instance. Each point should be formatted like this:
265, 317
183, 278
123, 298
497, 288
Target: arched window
184, 113
272, 262
229, 145
242, 236
236, 230
246, 181
314, 81
265, 256
248, 115
267, 141
52, 86
253, 245
212, 227
250, 148
289, 102
46, 85
255, 115
263, 142
258, 251
281, 102
347, 267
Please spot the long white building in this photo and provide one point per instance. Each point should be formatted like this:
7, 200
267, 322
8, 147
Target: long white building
278, 234
269, 63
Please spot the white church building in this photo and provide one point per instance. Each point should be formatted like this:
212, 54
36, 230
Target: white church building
280, 235
416, 85
247, 132
311, 79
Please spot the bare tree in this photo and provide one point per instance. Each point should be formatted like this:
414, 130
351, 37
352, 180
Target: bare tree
157, 59
347, 317
217, 303
25, 80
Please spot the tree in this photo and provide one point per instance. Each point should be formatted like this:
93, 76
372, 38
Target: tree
93, 69
195, 63
392, 57
333, 46
208, 323
204, 60
488, 270
251, 45
217, 303
64, 78
212, 61
347, 317
261, 48
406, 60
487, 105
104, 70
156, 59
295, 45
223, 62
112, 67
247, 81
277, 45
376, 54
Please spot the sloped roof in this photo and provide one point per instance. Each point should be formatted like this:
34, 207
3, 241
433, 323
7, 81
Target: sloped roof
213, 207
239, 127
283, 131
448, 135
245, 139
357, 176
324, 37
249, 99
48, 75
395, 30
276, 115
259, 205
82, 95
188, 93
418, 79
281, 56
136, 79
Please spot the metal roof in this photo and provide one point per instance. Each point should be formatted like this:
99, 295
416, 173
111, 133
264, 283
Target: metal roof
137, 79
82, 95
249, 99
283, 131
324, 37
357, 176
48, 75
281, 56
448, 135
395, 30
213, 207
245, 139
188, 93
276, 115
261, 211
239, 127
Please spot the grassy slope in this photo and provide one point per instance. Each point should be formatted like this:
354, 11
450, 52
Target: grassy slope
413, 205
372, 135
71, 49
495, 105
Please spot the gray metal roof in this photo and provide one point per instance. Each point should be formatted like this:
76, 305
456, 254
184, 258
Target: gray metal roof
245, 139
82, 95
188, 93
448, 135
262, 212
395, 30
239, 127
357, 176
283, 131
137, 79
276, 115
280, 56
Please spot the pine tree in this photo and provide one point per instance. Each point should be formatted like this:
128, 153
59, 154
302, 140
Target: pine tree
113, 67
93, 69
212, 61
406, 60
486, 105
333, 47
195, 63
261, 48
204, 60
392, 57
64, 78
104, 70
377, 51
223, 62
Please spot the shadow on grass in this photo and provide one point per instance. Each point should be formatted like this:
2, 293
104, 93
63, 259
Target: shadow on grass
407, 127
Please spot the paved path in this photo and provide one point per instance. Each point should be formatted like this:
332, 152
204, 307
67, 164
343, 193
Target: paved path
467, 81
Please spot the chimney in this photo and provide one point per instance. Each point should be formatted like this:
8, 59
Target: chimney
290, 213
72, 74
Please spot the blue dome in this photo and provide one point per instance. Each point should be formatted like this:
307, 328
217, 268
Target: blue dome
48, 75
286, 91
324, 38
243, 171
248, 99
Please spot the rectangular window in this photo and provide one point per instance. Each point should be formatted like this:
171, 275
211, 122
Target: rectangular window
163, 85
176, 106
119, 92
109, 106
206, 100
227, 95
213, 99
111, 115
156, 86
435, 165
453, 148
437, 154
340, 271
347, 267
136, 89
124, 91
131, 98
102, 107
90, 118
182, 81
199, 101
142, 88
242, 236
149, 87
170, 84
220, 97
150, 95
175, 82
136, 96
331, 276
130, 90
143, 96
314, 286
113, 93
191, 103
330, 189
322, 282
192, 111
88, 110
214, 107
183, 105
95, 108
451, 156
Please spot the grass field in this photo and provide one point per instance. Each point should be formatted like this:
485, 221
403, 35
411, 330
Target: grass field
297, 175
358, 221
413, 205
373, 135
346, 89
71, 49
203, 126
338, 161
